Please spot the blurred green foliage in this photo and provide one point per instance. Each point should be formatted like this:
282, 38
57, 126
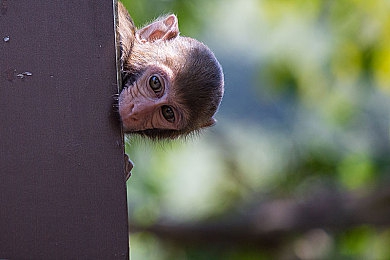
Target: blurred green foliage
325, 67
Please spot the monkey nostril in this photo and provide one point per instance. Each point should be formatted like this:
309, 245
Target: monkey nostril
131, 107
133, 114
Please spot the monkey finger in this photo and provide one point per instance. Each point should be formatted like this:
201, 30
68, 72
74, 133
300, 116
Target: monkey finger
128, 166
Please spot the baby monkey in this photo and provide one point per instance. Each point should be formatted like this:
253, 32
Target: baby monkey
172, 85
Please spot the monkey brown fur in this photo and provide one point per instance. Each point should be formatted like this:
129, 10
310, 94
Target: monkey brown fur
173, 85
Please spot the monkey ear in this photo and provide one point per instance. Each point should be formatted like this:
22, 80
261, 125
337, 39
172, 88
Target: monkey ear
209, 123
165, 28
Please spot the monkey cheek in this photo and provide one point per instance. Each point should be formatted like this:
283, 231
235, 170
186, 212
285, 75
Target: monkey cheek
127, 121
128, 124
128, 127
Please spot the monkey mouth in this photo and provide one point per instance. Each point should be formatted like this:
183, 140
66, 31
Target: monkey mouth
125, 101
128, 79
125, 87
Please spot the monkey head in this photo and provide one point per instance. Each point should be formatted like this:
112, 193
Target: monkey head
172, 85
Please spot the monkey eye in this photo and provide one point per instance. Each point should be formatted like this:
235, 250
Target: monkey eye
168, 113
155, 84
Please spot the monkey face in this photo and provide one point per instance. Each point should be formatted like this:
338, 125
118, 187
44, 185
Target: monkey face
173, 85
148, 102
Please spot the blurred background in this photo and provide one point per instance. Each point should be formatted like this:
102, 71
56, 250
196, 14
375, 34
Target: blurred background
298, 164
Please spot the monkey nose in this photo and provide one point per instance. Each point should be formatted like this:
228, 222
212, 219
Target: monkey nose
130, 108
136, 113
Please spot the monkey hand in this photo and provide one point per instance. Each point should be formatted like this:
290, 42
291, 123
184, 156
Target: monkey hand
128, 167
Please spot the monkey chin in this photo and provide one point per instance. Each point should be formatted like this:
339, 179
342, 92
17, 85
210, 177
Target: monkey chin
127, 124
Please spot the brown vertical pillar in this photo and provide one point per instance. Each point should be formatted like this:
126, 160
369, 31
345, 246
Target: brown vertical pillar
62, 187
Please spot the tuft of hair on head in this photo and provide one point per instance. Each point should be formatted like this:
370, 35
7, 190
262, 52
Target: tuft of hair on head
199, 84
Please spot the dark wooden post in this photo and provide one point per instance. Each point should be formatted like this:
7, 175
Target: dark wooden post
62, 186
